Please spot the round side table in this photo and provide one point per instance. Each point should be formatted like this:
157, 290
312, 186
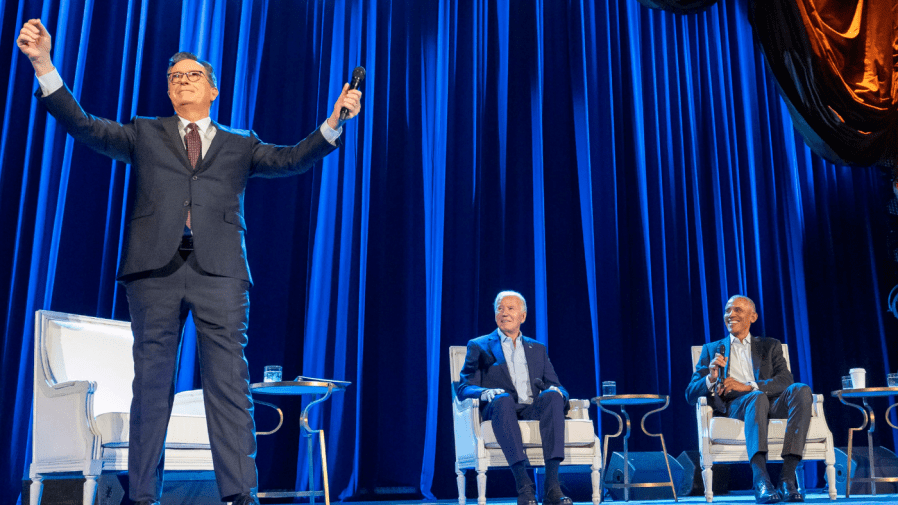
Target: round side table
301, 387
869, 418
624, 401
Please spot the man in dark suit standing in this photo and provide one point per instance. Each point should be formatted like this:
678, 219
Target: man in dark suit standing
184, 251
513, 378
757, 386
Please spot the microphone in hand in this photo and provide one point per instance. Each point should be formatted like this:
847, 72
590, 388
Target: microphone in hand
722, 351
358, 75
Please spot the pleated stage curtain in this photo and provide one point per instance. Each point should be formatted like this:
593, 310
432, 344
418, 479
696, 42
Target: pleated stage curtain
626, 169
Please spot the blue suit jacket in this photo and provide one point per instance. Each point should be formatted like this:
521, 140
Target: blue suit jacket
485, 368
771, 373
166, 186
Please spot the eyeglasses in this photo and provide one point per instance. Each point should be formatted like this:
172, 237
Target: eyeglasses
192, 76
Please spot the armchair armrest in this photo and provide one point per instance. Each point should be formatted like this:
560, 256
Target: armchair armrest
466, 423
579, 409
63, 422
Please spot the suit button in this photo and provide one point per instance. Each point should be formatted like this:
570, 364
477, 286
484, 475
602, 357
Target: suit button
195, 177
186, 203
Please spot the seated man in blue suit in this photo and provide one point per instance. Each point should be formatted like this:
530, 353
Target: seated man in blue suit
512, 376
757, 386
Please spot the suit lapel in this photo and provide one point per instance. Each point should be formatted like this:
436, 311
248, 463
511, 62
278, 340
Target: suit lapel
221, 135
531, 355
496, 349
173, 140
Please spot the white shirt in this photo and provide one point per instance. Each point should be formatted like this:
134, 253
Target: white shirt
517, 366
52, 81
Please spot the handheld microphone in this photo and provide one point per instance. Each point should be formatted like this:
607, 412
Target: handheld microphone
722, 351
358, 75
540, 385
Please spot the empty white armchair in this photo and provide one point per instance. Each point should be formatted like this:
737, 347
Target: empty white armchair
83, 370
476, 446
722, 440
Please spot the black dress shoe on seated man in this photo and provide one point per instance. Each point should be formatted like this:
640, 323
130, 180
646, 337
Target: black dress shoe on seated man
788, 489
765, 492
245, 499
146, 502
556, 497
527, 495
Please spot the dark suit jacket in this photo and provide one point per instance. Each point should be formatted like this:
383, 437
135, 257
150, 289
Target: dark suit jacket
485, 368
166, 186
771, 373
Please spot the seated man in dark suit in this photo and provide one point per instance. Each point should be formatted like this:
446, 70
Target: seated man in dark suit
757, 386
512, 376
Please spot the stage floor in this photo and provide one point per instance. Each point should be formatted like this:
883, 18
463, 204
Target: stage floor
729, 498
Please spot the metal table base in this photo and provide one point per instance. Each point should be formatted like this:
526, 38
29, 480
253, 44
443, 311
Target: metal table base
623, 401
869, 418
295, 388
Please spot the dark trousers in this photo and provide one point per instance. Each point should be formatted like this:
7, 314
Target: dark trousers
756, 408
547, 408
159, 304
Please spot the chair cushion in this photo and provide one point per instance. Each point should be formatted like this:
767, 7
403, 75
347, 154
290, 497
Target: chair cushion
577, 433
184, 432
186, 428
728, 431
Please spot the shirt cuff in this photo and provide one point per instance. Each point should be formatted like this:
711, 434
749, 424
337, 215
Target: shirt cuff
330, 134
50, 82
754, 385
708, 382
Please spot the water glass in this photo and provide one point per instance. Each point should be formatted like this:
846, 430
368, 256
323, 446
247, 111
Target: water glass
846, 382
272, 373
609, 388
892, 380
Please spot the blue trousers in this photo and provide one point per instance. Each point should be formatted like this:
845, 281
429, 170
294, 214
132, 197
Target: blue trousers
159, 303
756, 408
547, 408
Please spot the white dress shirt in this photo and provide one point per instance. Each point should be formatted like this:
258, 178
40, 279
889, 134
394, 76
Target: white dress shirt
739, 366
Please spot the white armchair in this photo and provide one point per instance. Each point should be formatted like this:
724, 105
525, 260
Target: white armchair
476, 446
83, 370
722, 440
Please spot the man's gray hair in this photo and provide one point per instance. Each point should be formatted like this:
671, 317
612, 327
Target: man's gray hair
749, 300
503, 294
184, 55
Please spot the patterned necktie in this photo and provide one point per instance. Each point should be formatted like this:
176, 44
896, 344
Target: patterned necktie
194, 148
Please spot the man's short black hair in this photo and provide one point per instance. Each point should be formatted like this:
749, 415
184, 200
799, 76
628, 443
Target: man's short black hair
184, 55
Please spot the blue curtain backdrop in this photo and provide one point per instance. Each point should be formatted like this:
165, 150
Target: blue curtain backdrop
626, 169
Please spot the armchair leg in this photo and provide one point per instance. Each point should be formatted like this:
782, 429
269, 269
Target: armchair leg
36, 489
90, 489
481, 487
708, 480
596, 485
460, 481
831, 479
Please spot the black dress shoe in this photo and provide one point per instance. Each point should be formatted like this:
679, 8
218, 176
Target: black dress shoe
527, 495
527, 500
245, 499
765, 492
146, 502
788, 489
560, 499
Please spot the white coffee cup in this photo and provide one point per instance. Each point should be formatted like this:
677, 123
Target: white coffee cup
858, 378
